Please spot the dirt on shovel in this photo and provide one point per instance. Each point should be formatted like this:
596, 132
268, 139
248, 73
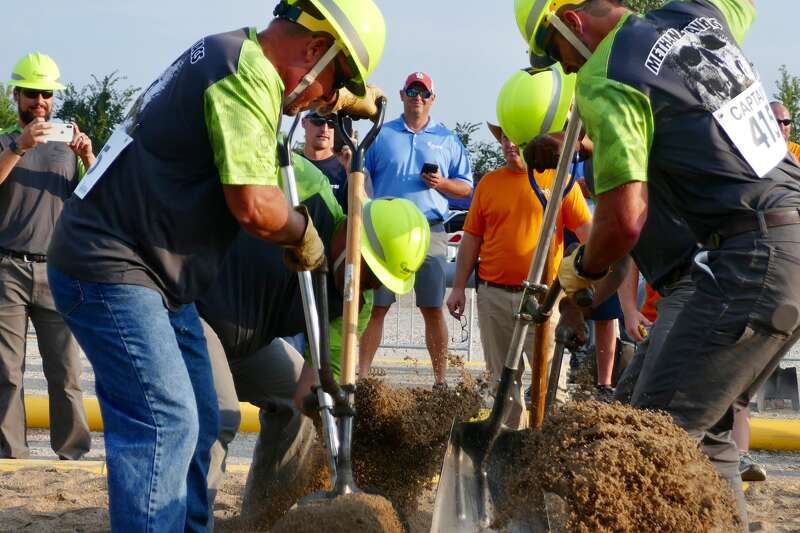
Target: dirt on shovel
400, 435
618, 469
352, 513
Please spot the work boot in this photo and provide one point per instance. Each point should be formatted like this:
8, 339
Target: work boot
751, 470
605, 394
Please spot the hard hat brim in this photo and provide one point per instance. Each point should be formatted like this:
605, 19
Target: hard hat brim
46, 86
389, 280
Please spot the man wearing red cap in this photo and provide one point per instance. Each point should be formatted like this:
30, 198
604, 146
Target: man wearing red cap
418, 159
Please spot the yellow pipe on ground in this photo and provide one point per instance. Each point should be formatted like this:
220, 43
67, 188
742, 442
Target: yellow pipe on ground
766, 433
38, 414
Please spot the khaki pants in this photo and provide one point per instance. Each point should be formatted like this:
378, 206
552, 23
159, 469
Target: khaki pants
24, 292
496, 309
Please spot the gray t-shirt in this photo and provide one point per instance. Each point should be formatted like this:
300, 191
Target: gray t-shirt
158, 217
33, 194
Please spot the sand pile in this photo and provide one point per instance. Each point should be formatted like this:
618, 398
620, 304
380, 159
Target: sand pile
400, 435
618, 468
356, 513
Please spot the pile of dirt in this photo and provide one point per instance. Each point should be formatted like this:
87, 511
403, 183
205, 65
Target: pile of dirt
400, 435
361, 513
617, 468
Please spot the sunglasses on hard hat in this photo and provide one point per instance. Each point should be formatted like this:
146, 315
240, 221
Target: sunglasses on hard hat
319, 122
413, 92
34, 93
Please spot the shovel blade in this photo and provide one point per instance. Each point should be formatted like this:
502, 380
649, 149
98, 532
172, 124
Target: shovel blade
462, 502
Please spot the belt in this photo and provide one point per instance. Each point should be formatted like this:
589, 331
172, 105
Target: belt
673, 276
507, 288
760, 220
28, 258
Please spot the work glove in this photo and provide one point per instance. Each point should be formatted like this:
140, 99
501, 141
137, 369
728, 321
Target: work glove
309, 253
570, 276
354, 106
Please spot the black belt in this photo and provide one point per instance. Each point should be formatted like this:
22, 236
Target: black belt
28, 258
507, 288
760, 220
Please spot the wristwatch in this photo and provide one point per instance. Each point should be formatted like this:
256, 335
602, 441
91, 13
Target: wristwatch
582, 273
14, 147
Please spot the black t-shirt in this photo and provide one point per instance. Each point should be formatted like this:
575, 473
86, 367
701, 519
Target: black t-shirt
651, 97
255, 298
337, 176
33, 194
158, 215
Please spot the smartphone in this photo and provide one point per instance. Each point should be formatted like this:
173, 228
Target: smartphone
430, 168
61, 132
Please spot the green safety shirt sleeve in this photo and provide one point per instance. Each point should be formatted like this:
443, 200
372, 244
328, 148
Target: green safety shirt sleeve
310, 181
335, 333
619, 120
739, 14
242, 114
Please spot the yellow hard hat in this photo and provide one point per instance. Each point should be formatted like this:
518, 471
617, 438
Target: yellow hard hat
534, 20
532, 104
357, 26
395, 236
36, 71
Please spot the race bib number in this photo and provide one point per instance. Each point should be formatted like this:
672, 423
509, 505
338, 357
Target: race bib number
751, 126
115, 145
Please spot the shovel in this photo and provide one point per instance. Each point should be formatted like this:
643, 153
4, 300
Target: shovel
352, 281
464, 499
324, 401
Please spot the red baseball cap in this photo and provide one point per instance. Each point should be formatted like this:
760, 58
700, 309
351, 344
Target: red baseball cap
419, 77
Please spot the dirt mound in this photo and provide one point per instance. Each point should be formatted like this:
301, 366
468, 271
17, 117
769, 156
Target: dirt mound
361, 513
618, 468
400, 435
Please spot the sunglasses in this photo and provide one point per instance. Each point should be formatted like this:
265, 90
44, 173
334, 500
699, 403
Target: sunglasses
319, 122
784, 121
413, 92
34, 93
551, 49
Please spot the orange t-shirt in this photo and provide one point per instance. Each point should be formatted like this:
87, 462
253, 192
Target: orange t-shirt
507, 215
649, 305
794, 148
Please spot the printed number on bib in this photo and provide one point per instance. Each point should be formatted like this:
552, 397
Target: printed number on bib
118, 141
751, 126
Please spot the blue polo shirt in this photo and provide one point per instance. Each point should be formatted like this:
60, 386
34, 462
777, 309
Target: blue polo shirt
395, 162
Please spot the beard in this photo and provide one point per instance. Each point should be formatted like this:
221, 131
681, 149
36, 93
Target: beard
27, 116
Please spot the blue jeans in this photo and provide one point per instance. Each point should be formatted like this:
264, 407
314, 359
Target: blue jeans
156, 392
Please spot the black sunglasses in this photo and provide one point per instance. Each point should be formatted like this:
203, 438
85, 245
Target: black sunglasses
413, 92
784, 121
319, 121
551, 49
34, 93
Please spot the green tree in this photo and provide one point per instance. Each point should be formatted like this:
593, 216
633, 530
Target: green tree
8, 108
484, 156
788, 92
98, 107
643, 6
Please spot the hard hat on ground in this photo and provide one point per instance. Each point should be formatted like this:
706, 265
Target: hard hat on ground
537, 19
395, 236
533, 104
36, 71
356, 25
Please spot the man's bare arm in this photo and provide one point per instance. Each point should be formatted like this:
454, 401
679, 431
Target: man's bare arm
263, 211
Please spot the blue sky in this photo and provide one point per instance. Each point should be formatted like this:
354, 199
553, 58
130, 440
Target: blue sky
468, 47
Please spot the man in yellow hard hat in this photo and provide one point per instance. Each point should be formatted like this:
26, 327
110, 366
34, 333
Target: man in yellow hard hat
669, 98
37, 175
144, 235
253, 312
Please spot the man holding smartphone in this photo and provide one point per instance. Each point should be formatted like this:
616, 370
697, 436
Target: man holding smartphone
418, 159
37, 174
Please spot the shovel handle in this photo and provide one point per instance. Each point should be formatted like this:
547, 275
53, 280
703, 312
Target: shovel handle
352, 268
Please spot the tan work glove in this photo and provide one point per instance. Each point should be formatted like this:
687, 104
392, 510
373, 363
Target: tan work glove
354, 106
309, 253
571, 279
